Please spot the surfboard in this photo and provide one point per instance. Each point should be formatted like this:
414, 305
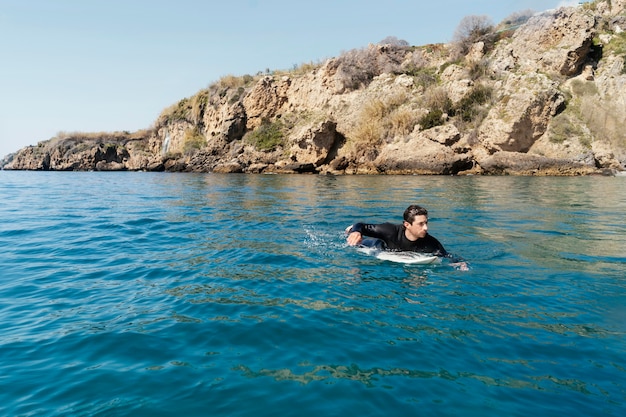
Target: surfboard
373, 247
408, 257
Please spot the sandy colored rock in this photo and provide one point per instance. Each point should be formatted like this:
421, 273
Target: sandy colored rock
553, 102
525, 105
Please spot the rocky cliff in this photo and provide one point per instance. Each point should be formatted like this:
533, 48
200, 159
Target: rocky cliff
547, 97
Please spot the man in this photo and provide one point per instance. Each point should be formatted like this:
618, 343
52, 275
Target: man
411, 235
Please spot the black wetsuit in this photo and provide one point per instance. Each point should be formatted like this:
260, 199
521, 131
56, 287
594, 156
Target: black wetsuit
395, 239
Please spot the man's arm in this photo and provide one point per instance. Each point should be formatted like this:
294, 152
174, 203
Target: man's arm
455, 261
356, 232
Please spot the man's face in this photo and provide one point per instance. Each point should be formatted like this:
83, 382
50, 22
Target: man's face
418, 228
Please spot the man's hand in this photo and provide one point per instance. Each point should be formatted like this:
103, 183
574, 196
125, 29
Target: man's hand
461, 266
354, 238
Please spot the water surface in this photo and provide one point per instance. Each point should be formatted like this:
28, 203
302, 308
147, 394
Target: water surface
153, 294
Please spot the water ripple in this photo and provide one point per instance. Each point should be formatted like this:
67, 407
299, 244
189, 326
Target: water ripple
158, 294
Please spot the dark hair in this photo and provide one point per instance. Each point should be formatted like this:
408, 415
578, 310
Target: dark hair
413, 211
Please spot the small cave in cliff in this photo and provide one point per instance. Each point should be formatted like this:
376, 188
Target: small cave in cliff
338, 143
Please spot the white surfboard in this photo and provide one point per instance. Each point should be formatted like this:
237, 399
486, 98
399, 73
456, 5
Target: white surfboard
401, 257
408, 257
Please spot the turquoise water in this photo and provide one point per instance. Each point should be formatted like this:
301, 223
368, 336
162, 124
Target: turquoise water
153, 294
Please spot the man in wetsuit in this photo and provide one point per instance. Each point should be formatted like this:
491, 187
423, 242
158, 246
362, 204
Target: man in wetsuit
411, 235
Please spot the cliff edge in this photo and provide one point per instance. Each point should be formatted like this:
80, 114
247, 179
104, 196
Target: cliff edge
546, 96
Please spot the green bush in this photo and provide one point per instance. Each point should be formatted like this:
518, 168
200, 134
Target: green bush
561, 128
268, 136
584, 88
469, 106
617, 45
192, 141
423, 76
432, 119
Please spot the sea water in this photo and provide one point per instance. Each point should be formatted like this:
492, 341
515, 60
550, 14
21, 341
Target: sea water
155, 294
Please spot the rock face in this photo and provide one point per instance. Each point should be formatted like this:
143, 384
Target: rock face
525, 105
545, 98
428, 152
556, 42
316, 144
113, 152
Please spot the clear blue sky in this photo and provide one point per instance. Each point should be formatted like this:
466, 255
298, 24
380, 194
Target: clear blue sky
107, 65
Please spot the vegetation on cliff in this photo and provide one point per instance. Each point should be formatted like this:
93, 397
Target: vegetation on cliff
534, 94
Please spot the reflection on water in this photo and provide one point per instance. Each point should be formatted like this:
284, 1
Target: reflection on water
196, 294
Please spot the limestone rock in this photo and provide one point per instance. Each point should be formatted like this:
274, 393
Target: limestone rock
265, 100
604, 156
110, 166
314, 145
525, 105
232, 167
175, 165
513, 163
427, 152
556, 105
446, 135
556, 42
226, 121
476, 52
457, 82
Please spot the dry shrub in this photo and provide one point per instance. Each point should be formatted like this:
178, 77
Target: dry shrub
188, 109
370, 128
478, 69
393, 40
515, 19
383, 120
470, 109
198, 105
470, 30
418, 58
305, 68
78, 136
396, 100
402, 121
230, 81
367, 134
399, 118
358, 67
438, 99
176, 112
143, 133
426, 77
415, 62
375, 109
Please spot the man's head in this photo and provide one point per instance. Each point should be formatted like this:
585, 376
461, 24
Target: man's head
413, 211
415, 222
